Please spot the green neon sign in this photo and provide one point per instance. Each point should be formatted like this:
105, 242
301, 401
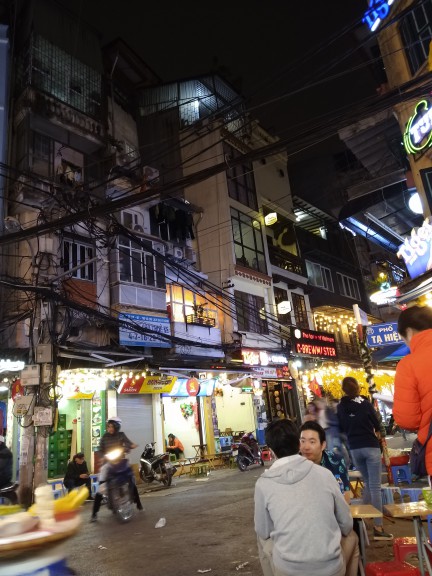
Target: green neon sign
418, 131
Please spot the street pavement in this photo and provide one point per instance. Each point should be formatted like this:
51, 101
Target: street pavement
209, 526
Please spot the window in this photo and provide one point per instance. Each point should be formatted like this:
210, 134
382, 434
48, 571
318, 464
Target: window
78, 254
140, 265
281, 296
248, 242
299, 310
184, 303
319, 276
416, 30
240, 179
348, 286
132, 220
251, 315
42, 156
64, 77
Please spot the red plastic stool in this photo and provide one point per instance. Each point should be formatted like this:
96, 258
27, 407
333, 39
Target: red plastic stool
266, 455
392, 568
403, 547
407, 546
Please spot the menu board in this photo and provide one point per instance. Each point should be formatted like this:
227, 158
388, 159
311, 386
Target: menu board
98, 418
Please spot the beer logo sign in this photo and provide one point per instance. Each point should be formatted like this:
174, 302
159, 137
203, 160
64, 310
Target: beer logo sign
418, 131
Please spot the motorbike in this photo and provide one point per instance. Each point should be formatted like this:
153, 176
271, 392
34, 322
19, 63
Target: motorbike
119, 484
8, 494
248, 452
156, 467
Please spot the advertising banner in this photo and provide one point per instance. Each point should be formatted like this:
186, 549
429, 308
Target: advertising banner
154, 324
148, 385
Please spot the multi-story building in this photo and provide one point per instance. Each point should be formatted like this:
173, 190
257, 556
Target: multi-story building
154, 253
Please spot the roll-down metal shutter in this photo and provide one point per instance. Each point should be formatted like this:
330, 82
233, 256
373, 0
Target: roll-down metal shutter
137, 421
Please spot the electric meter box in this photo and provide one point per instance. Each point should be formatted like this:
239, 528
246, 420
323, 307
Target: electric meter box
30, 375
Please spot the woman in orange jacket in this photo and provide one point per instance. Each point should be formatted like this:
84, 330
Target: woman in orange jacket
412, 408
174, 445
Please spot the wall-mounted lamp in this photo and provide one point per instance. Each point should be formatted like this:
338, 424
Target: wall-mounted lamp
284, 307
415, 203
270, 218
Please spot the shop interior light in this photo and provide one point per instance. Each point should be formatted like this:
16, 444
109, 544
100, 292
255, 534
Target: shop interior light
270, 219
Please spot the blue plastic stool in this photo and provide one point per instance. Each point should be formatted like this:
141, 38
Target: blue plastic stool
401, 474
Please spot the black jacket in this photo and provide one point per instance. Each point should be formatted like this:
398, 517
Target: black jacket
6, 459
358, 420
74, 470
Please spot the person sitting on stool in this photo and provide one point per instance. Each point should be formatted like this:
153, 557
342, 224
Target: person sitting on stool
174, 445
77, 473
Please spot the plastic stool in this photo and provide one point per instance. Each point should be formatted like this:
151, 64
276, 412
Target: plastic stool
401, 474
266, 455
392, 568
403, 547
407, 546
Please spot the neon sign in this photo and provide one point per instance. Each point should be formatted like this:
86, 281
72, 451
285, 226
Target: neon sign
312, 343
418, 131
378, 11
416, 250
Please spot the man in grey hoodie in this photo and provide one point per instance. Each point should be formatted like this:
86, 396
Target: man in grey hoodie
300, 513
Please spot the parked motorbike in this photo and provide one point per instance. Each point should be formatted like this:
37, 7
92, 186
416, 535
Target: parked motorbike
248, 452
156, 467
8, 494
119, 482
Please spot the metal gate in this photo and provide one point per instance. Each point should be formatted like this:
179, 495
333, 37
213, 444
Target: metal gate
136, 413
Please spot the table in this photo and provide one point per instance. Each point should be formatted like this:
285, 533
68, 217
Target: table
416, 511
359, 512
200, 450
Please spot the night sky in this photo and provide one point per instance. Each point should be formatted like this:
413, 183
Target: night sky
261, 47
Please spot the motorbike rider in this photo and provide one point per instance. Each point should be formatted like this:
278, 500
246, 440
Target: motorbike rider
6, 459
113, 438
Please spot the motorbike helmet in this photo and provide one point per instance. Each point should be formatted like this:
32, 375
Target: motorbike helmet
116, 422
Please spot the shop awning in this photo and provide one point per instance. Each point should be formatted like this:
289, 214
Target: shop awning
390, 353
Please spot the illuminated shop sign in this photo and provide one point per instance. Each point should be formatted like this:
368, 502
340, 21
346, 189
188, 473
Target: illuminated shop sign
416, 250
382, 334
155, 325
262, 358
147, 385
418, 131
180, 388
377, 12
314, 344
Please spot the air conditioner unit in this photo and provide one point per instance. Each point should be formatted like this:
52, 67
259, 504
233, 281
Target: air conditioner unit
190, 255
178, 253
159, 247
138, 228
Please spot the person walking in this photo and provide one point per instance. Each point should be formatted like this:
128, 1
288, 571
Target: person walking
358, 420
300, 513
412, 407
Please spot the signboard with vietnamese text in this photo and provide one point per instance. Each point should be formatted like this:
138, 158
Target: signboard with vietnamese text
179, 389
154, 324
254, 357
416, 250
382, 335
313, 344
148, 385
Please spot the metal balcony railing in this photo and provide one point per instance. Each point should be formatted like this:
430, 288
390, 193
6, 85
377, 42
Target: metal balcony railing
200, 320
285, 260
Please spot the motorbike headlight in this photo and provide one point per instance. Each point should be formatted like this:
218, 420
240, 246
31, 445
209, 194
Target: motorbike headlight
114, 454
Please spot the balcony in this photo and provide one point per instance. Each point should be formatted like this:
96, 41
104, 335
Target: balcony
197, 320
285, 260
54, 110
